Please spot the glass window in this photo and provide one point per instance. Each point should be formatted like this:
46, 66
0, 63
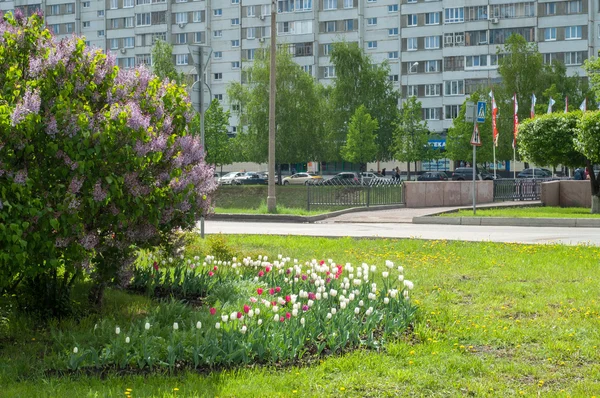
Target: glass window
550, 34
114, 44
550, 8
454, 15
432, 90
393, 55
217, 12
371, 45
431, 66
181, 17
127, 3
432, 18
128, 42
372, 21
574, 7
348, 3
235, 21
411, 19
235, 65
218, 76
432, 42
197, 15
235, 43
573, 32
451, 112
393, 32
128, 22
181, 59
114, 4
143, 19
330, 4
411, 44
217, 33
393, 8
454, 87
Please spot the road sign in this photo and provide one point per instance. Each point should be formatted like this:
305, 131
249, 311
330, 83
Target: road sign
476, 138
470, 112
480, 111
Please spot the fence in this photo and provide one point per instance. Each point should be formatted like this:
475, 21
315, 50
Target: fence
518, 189
349, 194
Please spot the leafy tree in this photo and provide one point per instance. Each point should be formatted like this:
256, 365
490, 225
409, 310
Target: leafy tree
163, 65
587, 141
411, 136
299, 111
216, 141
359, 82
94, 161
360, 144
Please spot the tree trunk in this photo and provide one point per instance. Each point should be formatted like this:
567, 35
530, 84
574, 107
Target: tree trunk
595, 204
407, 171
96, 295
595, 187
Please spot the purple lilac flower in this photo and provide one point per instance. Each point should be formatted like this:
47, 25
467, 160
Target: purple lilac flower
52, 128
76, 184
30, 104
89, 241
99, 194
21, 176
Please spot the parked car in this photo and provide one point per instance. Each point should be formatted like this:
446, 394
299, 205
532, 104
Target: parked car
466, 173
301, 178
433, 176
539, 173
228, 178
370, 177
344, 178
250, 178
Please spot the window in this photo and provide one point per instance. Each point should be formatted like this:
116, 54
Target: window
101, 33
143, 19
69, 9
100, 13
411, 44
454, 87
181, 38
348, 3
235, 65
371, 45
549, 58
371, 1
218, 97
128, 22
86, 4
330, 4
217, 76
432, 42
393, 8
55, 9
114, 23
128, 63
181, 59
411, 1
86, 24
217, 12
181, 17
114, 44
574, 7
451, 112
127, 3
393, 55
572, 32
235, 43
411, 19
475, 61
199, 37
54, 28
454, 15
329, 72
431, 66
250, 55
142, 2
181, 1
250, 33
432, 18
330, 26
114, 4
432, 113
308, 69
432, 90
550, 34
574, 58
412, 91
217, 33
327, 48
393, 32
550, 8
371, 21
235, 21
235, 1
250, 11
197, 16
393, 78
349, 25
218, 54
128, 42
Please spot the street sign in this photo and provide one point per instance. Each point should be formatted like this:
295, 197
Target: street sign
470, 112
476, 138
480, 111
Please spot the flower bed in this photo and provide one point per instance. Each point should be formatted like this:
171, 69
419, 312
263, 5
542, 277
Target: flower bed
270, 312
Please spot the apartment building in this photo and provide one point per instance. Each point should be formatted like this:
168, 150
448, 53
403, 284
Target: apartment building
440, 51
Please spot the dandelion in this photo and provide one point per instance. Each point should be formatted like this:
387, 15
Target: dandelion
198, 325
175, 326
75, 350
127, 340
118, 330
147, 326
217, 325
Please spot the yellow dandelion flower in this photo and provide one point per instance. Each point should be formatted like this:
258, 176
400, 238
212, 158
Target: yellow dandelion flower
342, 388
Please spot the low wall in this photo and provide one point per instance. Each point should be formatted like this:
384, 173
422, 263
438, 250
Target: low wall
568, 193
446, 193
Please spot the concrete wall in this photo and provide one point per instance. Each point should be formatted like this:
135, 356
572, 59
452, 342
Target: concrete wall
446, 193
569, 193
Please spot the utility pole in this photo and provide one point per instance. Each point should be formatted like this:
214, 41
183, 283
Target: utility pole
271, 200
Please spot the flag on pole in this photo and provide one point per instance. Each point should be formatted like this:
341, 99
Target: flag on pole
533, 105
494, 113
566, 104
516, 120
550, 103
583, 105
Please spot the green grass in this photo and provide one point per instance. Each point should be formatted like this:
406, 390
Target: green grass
253, 196
495, 320
262, 209
527, 212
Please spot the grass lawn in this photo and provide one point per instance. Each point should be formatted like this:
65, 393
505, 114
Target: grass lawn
262, 209
495, 320
527, 212
255, 196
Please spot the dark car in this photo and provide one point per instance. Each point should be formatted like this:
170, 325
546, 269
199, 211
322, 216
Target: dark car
250, 178
433, 176
345, 178
537, 173
466, 173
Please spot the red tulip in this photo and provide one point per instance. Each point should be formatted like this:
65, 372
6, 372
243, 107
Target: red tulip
271, 291
215, 268
259, 291
246, 308
288, 315
155, 265
213, 311
211, 273
260, 274
239, 315
277, 289
268, 269
288, 299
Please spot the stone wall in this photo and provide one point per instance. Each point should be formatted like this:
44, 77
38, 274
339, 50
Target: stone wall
568, 193
446, 193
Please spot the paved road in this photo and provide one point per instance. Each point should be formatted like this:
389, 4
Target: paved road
569, 236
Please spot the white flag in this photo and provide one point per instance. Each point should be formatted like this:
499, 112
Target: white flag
550, 103
583, 105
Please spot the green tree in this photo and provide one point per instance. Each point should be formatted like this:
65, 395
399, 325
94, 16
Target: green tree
359, 81
299, 111
411, 136
360, 144
587, 141
163, 65
216, 141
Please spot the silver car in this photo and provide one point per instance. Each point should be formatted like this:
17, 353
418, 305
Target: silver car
228, 178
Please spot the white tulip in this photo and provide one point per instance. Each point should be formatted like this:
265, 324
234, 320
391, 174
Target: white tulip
175, 326
217, 325
198, 325
257, 311
351, 296
329, 315
389, 264
361, 303
310, 303
400, 269
276, 318
260, 321
233, 316
325, 295
250, 313
386, 300
117, 330
393, 293
405, 293
275, 308
343, 305
147, 326
318, 296
373, 268
333, 292
357, 310
243, 329
224, 318
409, 285
302, 321
385, 274
295, 312
127, 340
400, 278
75, 350
333, 310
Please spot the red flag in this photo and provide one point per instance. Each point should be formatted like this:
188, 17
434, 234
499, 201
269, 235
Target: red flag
494, 126
516, 120
566, 104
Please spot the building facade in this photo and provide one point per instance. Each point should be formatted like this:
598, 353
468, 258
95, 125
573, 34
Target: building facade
440, 51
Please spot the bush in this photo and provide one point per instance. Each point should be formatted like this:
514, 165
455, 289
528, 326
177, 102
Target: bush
95, 162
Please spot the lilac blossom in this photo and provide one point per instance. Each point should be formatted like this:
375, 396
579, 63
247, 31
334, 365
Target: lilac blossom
21, 177
99, 194
89, 241
76, 184
30, 104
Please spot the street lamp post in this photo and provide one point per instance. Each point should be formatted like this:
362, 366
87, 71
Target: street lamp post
412, 132
197, 53
271, 200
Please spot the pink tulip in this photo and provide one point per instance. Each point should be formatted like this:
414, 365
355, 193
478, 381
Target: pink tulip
213, 311
259, 291
246, 308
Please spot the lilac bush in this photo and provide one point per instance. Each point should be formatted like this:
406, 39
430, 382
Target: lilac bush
94, 161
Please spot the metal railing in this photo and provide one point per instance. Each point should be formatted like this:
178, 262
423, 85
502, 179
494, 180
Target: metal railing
518, 189
354, 194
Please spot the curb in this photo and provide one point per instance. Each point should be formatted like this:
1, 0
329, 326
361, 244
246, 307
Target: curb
515, 222
296, 219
